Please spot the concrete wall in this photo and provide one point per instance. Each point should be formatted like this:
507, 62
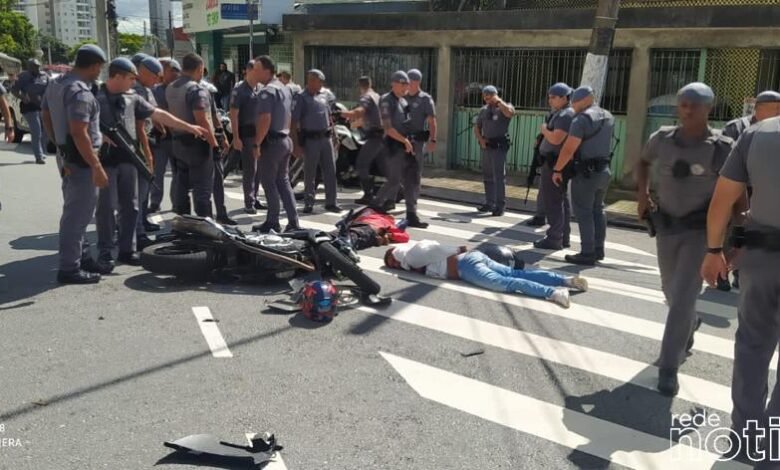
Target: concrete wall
640, 40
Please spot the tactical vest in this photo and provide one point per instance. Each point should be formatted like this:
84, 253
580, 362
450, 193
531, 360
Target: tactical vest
176, 94
763, 172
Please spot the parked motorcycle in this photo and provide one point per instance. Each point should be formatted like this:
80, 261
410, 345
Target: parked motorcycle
199, 247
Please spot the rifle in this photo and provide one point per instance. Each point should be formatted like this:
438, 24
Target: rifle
129, 148
536, 162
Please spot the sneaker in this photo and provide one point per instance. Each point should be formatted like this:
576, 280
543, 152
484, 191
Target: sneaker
667, 382
77, 276
413, 221
536, 221
40, 161
578, 282
333, 208
723, 284
585, 259
560, 297
547, 244
250, 210
484, 208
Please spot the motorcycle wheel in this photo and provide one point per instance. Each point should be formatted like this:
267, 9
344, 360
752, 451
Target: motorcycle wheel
339, 262
177, 260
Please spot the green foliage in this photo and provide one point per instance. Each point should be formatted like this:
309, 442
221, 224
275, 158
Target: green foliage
60, 52
17, 35
130, 44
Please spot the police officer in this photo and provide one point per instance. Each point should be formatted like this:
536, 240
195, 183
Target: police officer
162, 152
70, 114
29, 88
555, 198
243, 121
767, 105
273, 154
119, 104
286, 79
149, 75
5, 110
686, 159
753, 161
219, 153
422, 133
311, 131
588, 145
368, 112
490, 128
188, 101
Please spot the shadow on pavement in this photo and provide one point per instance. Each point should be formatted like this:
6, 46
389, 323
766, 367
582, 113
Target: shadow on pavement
138, 374
23, 279
183, 458
47, 242
159, 284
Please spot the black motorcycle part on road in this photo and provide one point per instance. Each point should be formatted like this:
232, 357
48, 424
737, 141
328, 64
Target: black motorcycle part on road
176, 259
338, 262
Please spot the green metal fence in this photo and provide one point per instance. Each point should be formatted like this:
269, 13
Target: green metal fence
523, 130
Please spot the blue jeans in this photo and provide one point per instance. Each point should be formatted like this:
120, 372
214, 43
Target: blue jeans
37, 134
478, 269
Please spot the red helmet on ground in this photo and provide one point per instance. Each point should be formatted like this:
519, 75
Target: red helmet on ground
319, 301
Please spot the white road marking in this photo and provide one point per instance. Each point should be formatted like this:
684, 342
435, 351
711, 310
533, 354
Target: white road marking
710, 344
496, 223
589, 360
572, 429
211, 332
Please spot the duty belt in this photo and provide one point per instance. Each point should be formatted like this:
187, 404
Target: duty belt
246, 131
502, 142
591, 165
315, 134
274, 136
374, 133
768, 240
663, 222
421, 136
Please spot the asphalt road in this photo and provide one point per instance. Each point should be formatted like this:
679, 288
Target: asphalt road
448, 377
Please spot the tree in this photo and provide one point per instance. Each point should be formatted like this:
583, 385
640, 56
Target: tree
130, 44
17, 34
75, 48
60, 53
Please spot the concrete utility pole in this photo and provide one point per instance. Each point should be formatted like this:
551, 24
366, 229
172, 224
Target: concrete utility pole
251, 12
101, 21
594, 73
113, 24
171, 39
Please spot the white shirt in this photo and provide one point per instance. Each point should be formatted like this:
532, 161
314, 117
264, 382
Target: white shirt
426, 254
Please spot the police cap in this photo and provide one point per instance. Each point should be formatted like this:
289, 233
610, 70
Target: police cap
153, 65
490, 90
399, 76
581, 93
696, 92
174, 64
138, 58
123, 64
414, 75
317, 73
560, 90
93, 51
768, 96
33, 63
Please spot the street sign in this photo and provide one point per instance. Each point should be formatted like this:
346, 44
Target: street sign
237, 11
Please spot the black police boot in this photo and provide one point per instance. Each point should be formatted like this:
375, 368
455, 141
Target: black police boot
690, 339
599, 254
388, 206
333, 208
250, 210
292, 228
153, 208
414, 221
735, 283
308, 208
723, 284
536, 221
547, 244
266, 228
225, 220
585, 259
566, 243
130, 259
497, 212
484, 208
150, 226
77, 276
40, 161
259, 205
104, 265
368, 192
667, 382
142, 241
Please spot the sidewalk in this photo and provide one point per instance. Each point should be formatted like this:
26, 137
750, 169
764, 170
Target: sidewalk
466, 187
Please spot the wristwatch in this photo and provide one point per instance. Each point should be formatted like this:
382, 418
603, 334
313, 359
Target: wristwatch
433, 141
715, 251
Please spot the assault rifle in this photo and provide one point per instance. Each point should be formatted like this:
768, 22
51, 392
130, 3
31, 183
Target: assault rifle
129, 148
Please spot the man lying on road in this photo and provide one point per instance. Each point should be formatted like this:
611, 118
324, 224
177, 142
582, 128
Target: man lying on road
458, 262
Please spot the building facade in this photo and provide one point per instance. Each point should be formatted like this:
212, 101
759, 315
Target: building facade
522, 49
70, 21
160, 19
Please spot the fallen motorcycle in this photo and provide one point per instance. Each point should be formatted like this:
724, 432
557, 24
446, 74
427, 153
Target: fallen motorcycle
199, 247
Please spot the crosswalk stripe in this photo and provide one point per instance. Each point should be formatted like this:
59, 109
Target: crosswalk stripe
557, 255
613, 366
609, 441
211, 332
710, 344
493, 222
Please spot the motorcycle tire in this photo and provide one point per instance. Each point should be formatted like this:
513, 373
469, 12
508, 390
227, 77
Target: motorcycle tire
177, 260
328, 253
